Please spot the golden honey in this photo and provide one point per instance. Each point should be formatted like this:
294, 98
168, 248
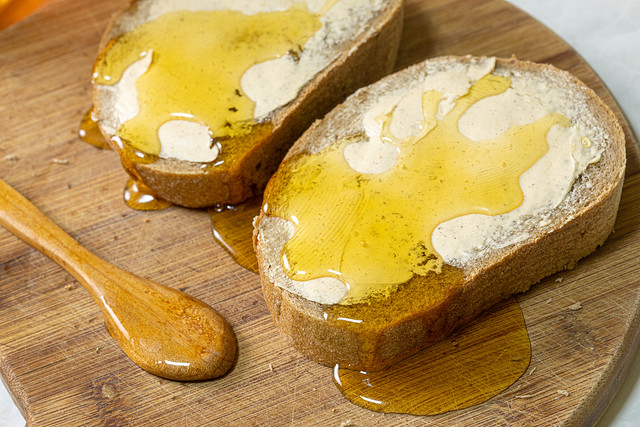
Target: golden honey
373, 231
197, 62
232, 228
90, 133
136, 194
468, 368
140, 197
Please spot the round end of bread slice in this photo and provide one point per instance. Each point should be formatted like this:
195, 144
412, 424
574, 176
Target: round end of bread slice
194, 184
427, 309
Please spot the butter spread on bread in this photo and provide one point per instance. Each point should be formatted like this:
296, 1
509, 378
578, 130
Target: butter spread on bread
428, 183
204, 81
483, 152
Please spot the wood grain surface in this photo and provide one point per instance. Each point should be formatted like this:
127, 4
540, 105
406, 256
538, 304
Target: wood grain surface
63, 368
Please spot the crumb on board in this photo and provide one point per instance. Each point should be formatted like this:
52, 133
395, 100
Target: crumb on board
270, 367
347, 423
109, 391
559, 279
524, 396
532, 370
60, 161
576, 306
11, 158
549, 301
69, 287
563, 392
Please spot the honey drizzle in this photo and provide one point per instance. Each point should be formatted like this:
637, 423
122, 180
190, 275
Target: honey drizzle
195, 74
215, 61
467, 369
90, 133
140, 197
232, 227
447, 376
373, 231
136, 194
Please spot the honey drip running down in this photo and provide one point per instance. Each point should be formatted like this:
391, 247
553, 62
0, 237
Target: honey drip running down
90, 133
136, 194
232, 227
469, 368
373, 231
139, 197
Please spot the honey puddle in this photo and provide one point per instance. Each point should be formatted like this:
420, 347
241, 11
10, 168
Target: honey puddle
232, 227
467, 369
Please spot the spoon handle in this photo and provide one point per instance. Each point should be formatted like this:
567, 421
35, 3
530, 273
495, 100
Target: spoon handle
27, 222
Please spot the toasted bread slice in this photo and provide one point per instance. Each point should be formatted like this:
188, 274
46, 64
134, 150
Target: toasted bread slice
328, 238
327, 49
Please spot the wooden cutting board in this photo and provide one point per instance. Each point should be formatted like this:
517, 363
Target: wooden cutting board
63, 368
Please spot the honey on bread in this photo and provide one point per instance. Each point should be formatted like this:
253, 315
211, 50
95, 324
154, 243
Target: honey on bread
197, 62
373, 231
194, 75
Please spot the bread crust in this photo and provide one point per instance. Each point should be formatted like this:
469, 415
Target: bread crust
188, 184
497, 275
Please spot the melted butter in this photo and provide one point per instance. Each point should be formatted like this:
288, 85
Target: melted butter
469, 368
373, 231
198, 59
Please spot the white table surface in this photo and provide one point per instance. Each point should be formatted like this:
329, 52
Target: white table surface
606, 33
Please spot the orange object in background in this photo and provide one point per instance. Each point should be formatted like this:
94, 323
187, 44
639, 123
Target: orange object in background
12, 11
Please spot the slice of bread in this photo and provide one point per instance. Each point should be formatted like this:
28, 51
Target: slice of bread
473, 258
356, 44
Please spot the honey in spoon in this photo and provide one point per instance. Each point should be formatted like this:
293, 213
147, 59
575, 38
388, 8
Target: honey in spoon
164, 331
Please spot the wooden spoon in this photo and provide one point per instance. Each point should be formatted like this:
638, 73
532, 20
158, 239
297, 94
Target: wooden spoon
164, 331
